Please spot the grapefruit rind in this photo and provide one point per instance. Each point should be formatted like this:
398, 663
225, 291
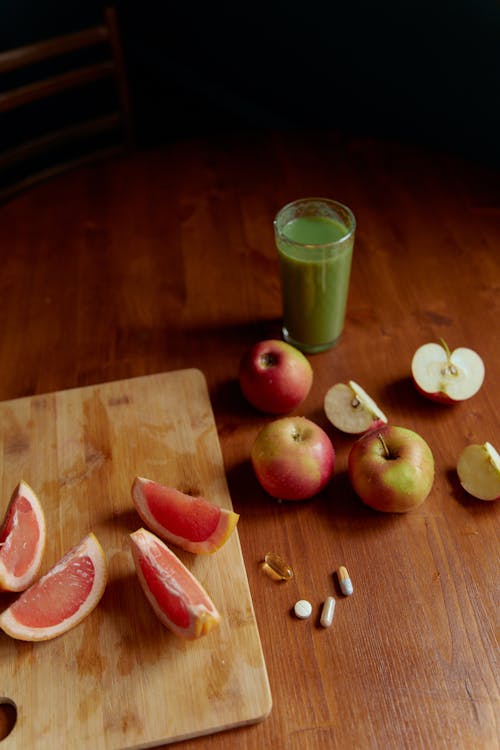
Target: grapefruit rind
11, 620
166, 581
192, 523
16, 548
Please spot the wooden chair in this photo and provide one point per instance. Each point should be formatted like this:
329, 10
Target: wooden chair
47, 70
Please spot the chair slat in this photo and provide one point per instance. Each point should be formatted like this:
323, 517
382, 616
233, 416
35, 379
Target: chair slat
44, 50
53, 85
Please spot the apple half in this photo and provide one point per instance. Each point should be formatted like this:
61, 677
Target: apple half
350, 409
478, 470
445, 376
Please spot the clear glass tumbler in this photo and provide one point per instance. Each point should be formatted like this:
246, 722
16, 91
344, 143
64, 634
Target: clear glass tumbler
315, 239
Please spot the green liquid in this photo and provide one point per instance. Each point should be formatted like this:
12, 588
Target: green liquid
314, 280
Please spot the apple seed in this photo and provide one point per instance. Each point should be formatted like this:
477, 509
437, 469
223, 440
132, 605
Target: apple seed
449, 370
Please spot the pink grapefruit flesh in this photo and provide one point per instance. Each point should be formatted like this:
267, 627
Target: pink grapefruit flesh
22, 540
178, 599
61, 598
192, 523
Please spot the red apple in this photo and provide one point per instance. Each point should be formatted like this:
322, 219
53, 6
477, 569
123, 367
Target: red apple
293, 458
478, 469
445, 376
391, 469
350, 409
275, 377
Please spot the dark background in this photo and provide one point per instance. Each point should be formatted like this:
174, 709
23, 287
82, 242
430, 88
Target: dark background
427, 72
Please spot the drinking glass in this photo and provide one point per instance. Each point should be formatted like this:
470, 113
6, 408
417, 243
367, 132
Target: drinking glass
315, 239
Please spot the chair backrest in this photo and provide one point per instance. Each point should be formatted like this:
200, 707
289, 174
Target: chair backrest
47, 133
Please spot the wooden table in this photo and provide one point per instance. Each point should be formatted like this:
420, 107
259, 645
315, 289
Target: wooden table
165, 259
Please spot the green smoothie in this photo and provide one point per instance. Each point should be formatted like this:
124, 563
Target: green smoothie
315, 253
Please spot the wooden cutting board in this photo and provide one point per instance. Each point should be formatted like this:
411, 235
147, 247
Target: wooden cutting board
120, 679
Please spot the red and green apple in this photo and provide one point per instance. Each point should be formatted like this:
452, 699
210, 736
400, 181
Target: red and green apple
275, 377
391, 469
293, 458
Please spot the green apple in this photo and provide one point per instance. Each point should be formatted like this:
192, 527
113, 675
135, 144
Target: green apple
391, 469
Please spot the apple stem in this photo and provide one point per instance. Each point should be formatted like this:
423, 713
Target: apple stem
384, 445
450, 368
445, 347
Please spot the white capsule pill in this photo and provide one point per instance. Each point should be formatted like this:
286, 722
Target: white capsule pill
303, 609
327, 612
344, 581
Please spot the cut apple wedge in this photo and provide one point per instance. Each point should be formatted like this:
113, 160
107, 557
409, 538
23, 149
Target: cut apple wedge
446, 376
350, 409
478, 470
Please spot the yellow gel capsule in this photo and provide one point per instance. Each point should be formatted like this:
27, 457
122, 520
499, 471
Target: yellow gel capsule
276, 567
344, 581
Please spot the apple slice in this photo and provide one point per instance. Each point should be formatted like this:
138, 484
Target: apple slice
350, 409
478, 469
446, 376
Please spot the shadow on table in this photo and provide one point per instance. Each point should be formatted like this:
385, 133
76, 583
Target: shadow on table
403, 391
471, 504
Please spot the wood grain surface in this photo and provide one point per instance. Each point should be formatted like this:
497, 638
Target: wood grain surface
121, 680
165, 260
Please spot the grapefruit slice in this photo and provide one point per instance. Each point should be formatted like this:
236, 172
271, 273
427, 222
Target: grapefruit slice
192, 523
22, 540
61, 598
177, 597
